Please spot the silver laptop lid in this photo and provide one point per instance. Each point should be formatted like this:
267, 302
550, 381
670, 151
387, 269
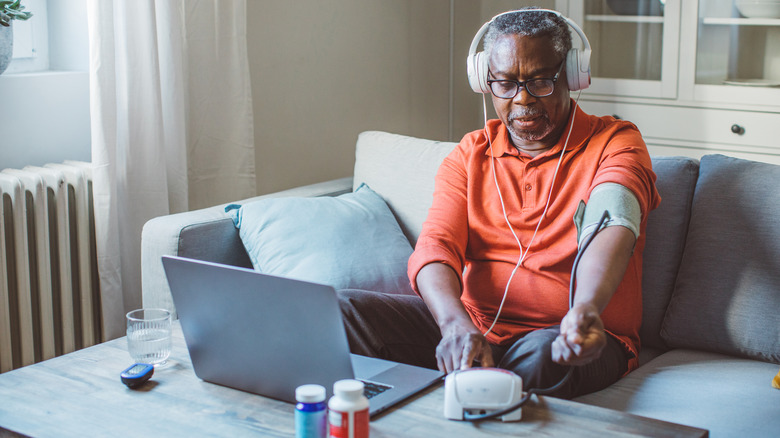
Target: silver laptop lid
252, 332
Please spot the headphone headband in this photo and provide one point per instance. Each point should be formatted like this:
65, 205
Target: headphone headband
577, 61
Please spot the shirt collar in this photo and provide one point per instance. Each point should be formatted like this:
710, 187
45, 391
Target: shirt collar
502, 145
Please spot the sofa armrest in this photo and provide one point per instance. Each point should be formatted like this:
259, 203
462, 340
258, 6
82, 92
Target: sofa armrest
206, 234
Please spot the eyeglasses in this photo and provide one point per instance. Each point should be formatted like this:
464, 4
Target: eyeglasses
508, 89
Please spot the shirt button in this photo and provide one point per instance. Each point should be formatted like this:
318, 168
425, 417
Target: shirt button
528, 187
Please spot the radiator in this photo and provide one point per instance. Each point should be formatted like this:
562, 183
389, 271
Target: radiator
49, 293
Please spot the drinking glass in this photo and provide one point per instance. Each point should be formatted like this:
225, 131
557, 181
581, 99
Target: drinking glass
149, 335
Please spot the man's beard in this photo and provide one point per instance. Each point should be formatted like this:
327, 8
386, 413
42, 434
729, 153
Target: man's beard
535, 135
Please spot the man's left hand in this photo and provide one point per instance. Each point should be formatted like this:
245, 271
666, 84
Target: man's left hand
582, 336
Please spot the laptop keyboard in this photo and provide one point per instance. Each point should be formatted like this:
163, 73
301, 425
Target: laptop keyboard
372, 388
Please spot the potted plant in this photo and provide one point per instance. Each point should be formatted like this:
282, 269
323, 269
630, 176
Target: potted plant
9, 10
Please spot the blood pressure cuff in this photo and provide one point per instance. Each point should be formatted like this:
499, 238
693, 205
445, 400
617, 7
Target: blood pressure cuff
620, 204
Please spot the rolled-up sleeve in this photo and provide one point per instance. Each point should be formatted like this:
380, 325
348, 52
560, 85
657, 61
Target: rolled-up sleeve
628, 163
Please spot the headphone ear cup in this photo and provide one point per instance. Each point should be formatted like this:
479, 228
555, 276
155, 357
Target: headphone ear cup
573, 70
477, 69
578, 78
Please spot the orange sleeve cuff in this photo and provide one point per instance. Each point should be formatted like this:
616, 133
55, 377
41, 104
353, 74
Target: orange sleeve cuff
430, 252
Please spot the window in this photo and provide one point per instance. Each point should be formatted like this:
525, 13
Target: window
46, 87
31, 40
55, 38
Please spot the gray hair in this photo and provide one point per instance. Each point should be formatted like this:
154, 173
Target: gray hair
533, 24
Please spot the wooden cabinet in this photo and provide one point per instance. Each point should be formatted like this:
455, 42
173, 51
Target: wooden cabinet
696, 131
636, 51
697, 77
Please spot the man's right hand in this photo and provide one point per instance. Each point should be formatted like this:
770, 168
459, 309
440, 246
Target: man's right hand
461, 341
460, 346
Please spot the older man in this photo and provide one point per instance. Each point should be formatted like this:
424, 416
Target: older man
512, 204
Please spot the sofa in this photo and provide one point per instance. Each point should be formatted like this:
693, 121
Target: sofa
711, 277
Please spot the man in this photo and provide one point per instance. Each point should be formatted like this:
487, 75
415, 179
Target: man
493, 262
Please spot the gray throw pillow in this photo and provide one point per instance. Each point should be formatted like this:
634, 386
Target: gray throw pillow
667, 227
727, 293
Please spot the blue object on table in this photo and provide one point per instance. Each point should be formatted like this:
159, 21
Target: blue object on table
137, 374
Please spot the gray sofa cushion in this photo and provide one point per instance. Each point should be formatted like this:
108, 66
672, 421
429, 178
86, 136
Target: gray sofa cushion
731, 397
667, 227
727, 294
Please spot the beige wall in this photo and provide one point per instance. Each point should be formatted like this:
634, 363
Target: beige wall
322, 72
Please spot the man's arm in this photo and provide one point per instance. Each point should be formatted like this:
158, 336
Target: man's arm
599, 273
462, 342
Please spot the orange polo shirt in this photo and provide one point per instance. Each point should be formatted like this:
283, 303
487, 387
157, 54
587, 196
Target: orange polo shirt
466, 229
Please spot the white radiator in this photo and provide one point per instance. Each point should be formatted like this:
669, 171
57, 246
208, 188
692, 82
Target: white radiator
49, 293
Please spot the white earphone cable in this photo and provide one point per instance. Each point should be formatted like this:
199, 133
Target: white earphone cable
523, 254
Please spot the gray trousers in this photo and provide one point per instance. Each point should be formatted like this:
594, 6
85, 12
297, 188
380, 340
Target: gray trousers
400, 328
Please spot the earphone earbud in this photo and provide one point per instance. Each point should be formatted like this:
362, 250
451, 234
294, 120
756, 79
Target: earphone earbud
577, 61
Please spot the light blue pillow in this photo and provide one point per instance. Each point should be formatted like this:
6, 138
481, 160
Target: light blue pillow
349, 241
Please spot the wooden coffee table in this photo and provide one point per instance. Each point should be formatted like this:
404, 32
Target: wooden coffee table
80, 394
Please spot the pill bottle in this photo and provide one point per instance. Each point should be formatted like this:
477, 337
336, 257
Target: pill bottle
348, 410
311, 419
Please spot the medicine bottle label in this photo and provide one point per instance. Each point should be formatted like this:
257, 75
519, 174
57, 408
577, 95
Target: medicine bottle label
348, 424
311, 424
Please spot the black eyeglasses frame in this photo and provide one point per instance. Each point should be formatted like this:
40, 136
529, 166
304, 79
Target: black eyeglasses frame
524, 84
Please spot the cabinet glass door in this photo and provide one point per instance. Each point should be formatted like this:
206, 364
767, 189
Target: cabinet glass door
634, 45
738, 51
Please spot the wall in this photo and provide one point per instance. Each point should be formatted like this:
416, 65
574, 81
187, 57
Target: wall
44, 118
322, 72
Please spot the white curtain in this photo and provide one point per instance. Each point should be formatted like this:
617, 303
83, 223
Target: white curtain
171, 111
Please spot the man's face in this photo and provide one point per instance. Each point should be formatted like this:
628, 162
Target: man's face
534, 123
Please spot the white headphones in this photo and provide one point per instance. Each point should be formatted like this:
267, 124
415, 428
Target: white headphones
577, 61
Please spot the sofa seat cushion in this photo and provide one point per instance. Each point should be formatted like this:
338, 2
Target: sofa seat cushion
728, 396
351, 241
726, 297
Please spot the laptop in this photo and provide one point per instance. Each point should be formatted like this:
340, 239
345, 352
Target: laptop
268, 335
